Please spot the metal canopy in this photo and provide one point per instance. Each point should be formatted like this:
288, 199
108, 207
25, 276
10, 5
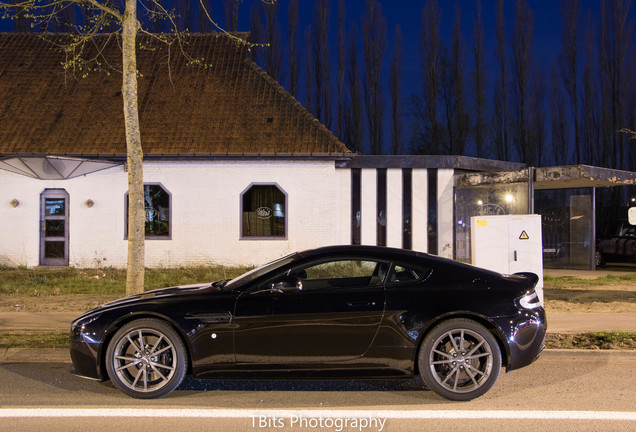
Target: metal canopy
560, 177
53, 167
581, 176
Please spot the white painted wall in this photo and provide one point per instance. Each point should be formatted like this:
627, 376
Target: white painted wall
419, 224
394, 207
206, 208
445, 219
205, 213
369, 206
344, 217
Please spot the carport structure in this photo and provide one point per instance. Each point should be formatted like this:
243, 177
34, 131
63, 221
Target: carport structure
565, 197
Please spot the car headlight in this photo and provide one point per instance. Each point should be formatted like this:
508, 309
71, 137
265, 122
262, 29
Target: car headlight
81, 323
530, 300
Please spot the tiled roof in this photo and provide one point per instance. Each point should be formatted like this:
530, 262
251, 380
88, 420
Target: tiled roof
227, 106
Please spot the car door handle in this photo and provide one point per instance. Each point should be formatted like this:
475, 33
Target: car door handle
360, 303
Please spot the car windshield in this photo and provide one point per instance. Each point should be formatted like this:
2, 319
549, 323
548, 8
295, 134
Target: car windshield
259, 271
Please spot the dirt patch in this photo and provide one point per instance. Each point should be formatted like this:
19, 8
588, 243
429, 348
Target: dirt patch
618, 296
52, 303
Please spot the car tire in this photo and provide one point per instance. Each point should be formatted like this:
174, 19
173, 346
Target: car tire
146, 359
600, 260
459, 359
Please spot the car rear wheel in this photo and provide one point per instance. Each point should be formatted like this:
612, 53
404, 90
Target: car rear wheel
146, 359
459, 360
600, 260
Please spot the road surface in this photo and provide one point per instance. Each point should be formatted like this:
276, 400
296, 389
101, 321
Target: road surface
562, 391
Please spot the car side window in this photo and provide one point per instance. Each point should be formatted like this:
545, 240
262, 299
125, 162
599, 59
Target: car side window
342, 273
339, 273
408, 273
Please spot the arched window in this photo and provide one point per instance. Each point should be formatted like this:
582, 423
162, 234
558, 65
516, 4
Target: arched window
264, 212
157, 202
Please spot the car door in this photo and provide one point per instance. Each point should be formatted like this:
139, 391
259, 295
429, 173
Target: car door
324, 311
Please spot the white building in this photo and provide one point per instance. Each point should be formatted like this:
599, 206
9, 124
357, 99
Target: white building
236, 170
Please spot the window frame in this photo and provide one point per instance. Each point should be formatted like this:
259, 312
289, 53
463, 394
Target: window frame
151, 236
242, 235
292, 270
427, 272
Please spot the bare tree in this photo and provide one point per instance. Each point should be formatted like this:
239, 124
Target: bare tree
558, 117
501, 88
430, 54
309, 72
522, 63
460, 118
395, 86
479, 84
273, 50
292, 45
184, 17
354, 131
122, 20
536, 116
231, 8
204, 25
616, 44
590, 131
318, 72
374, 47
257, 33
341, 67
570, 11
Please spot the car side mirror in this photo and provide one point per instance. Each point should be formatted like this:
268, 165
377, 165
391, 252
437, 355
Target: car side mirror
285, 284
288, 283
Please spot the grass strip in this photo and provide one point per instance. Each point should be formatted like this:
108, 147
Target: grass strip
109, 281
18, 339
591, 341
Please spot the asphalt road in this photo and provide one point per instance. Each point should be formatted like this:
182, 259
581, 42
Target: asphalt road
562, 391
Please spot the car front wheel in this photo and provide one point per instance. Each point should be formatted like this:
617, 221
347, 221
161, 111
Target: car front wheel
459, 360
146, 359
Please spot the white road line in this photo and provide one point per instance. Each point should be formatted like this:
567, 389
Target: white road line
248, 413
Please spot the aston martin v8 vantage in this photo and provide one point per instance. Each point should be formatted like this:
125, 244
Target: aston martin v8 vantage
332, 312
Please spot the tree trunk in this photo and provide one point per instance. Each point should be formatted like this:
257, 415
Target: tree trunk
136, 214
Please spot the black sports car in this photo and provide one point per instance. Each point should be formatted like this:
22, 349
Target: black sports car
333, 312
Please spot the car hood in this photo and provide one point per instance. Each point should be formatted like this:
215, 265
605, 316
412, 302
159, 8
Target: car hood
162, 292
171, 292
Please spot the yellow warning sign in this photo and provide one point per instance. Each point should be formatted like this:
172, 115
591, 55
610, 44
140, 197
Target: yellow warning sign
524, 235
482, 222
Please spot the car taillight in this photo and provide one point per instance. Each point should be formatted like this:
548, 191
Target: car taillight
530, 300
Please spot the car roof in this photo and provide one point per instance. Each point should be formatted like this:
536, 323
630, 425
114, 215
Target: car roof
380, 252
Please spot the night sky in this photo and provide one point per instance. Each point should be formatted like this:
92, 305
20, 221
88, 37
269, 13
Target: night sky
408, 14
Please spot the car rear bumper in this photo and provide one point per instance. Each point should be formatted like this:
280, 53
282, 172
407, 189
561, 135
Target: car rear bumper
525, 335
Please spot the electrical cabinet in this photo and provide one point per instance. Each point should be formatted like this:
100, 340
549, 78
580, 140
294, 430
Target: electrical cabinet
508, 244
